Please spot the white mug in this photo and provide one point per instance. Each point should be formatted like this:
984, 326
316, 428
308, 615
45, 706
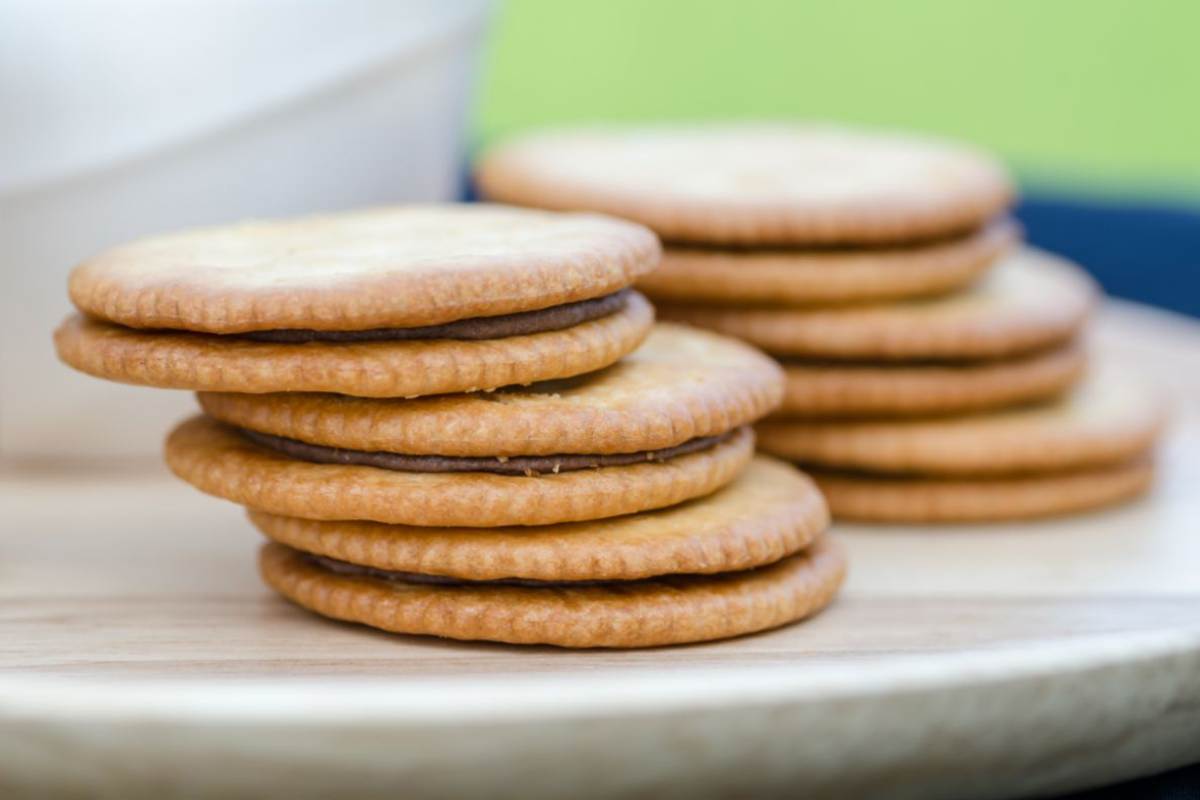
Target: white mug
131, 117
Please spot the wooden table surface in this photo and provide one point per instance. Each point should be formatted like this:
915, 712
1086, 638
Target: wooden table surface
139, 655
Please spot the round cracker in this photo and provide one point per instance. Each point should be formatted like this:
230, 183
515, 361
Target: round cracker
882, 499
806, 277
1109, 417
771, 511
402, 267
648, 613
840, 390
366, 369
216, 460
755, 183
681, 384
1030, 300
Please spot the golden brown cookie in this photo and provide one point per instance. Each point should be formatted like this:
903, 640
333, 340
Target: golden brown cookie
876, 498
1030, 300
403, 267
180, 360
770, 511
1110, 417
646, 613
754, 183
214, 458
828, 389
681, 384
808, 277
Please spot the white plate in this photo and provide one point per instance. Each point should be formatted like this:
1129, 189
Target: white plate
140, 655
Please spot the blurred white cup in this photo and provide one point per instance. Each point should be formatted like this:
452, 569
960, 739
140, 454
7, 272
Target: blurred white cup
130, 117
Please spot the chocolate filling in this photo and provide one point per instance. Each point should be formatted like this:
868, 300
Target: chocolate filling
515, 465
393, 576
940, 363
340, 567
523, 323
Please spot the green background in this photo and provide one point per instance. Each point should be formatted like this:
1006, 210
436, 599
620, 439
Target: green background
1103, 96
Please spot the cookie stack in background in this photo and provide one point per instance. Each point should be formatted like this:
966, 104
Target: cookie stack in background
934, 366
461, 421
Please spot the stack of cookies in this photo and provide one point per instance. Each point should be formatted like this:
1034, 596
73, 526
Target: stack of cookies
462, 421
934, 366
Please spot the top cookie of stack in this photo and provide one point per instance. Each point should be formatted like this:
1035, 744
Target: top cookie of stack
756, 185
881, 270
437, 299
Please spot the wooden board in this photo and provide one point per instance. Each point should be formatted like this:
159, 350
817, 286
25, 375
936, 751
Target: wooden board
139, 655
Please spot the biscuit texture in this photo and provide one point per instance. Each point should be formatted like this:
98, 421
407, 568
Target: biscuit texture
681, 384
368, 369
389, 267
771, 511
1110, 417
816, 390
216, 460
882, 499
649, 613
1030, 300
755, 184
803, 277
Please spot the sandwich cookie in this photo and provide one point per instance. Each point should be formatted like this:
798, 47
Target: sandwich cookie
827, 276
1089, 449
390, 302
1109, 418
756, 184
674, 609
667, 424
1029, 301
